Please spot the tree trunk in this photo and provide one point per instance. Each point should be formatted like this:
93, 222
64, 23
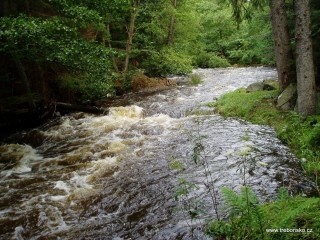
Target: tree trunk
114, 62
25, 81
133, 16
283, 51
306, 86
172, 22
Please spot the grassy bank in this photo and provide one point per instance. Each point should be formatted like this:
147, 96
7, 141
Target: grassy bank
250, 220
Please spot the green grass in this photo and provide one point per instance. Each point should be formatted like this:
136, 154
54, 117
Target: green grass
292, 213
256, 107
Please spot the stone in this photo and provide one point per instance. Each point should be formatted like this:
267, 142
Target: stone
267, 85
254, 87
270, 84
287, 98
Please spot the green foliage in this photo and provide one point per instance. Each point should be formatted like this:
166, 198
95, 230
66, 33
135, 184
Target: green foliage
51, 42
167, 61
248, 43
249, 220
78, 12
252, 43
314, 137
209, 60
195, 79
293, 213
243, 104
245, 218
88, 38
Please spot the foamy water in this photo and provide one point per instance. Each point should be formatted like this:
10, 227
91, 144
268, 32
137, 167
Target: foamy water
109, 177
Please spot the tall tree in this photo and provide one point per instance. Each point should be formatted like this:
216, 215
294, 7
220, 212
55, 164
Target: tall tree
131, 30
306, 86
283, 51
172, 22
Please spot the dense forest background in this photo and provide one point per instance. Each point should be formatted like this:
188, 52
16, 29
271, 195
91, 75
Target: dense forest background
81, 51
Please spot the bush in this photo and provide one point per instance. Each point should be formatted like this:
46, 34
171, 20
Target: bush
210, 60
165, 62
216, 61
50, 43
195, 79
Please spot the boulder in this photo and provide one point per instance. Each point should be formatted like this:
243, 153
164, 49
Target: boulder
261, 86
254, 87
287, 98
270, 84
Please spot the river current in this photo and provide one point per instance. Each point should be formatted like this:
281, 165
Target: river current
124, 175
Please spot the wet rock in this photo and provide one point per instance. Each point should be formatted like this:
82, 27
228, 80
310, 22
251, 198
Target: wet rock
287, 98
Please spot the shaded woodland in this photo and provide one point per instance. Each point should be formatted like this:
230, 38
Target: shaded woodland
81, 51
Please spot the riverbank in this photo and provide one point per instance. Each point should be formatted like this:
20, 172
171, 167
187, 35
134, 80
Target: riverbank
303, 138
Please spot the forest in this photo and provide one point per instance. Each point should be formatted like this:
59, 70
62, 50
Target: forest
81, 51
75, 54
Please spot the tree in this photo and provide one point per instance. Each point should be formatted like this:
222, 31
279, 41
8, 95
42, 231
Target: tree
131, 30
306, 86
172, 21
283, 51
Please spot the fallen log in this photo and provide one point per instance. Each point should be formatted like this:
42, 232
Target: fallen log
81, 108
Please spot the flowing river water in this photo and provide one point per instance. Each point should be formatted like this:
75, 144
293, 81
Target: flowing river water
114, 177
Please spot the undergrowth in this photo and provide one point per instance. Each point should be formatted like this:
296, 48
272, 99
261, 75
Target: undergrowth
284, 219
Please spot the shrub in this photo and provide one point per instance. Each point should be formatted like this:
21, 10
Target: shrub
165, 62
195, 79
210, 60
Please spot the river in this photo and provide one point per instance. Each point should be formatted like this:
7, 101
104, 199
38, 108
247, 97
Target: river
120, 175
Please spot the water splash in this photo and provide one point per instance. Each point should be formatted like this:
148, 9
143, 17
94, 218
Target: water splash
109, 176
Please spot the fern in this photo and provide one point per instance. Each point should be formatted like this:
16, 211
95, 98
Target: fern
233, 201
246, 216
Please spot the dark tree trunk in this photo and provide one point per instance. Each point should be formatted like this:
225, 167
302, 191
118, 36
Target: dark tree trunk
114, 62
24, 79
306, 86
283, 51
